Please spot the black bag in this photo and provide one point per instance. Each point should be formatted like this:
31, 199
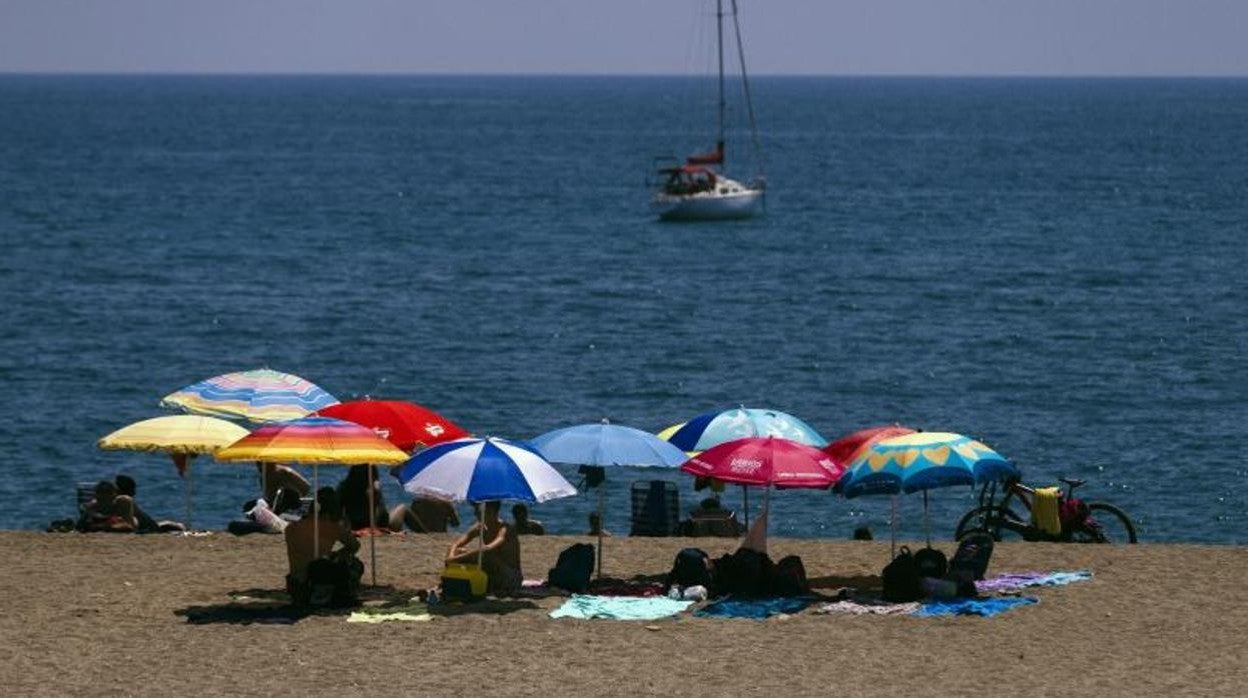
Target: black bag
970, 560
573, 569
691, 568
932, 563
788, 578
901, 578
744, 573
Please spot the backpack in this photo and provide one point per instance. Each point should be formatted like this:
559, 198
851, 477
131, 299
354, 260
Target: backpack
932, 563
970, 560
573, 569
689, 569
788, 577
901, 577
744, 573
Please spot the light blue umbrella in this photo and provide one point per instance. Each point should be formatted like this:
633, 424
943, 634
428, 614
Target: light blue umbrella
720, 426
603, 445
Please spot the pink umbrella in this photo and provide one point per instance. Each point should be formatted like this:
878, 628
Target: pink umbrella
766, 462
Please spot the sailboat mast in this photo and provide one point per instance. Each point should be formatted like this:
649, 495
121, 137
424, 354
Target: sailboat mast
719, 26
745, 84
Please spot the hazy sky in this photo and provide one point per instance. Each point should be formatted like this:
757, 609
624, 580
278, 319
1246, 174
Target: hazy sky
855, 37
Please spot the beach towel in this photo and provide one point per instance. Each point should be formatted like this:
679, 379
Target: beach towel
412, 613
756, 609
619, 607
1020, 580
867, 608
1044, 511
973, 607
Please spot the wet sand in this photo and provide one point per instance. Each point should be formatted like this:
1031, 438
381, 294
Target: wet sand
105, 614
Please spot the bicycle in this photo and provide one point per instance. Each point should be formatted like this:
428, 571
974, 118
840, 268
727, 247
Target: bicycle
1081, 522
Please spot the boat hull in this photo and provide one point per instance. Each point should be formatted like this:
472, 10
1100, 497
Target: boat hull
702, 207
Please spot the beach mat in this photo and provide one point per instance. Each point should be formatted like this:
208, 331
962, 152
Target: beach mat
755, 609
985, 608
409, 613
586, 606
1022, 580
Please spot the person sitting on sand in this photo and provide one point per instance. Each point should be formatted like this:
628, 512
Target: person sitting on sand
424, 515
319, 574
274, 477
500, 550
595, 526
108, 511
126, 486
524, 525
353, 494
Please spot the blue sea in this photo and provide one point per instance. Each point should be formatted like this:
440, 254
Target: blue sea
1056, 267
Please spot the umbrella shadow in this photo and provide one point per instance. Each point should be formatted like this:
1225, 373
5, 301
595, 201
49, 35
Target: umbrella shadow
247, 614
490, 606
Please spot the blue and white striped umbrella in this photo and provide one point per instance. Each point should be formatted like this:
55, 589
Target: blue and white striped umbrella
483, 470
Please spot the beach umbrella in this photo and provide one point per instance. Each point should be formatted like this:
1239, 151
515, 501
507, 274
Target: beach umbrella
607, 445
316, 441
923, 461
766, 462
262, 395
405, 424
483, 470
181, 436
716, 427
845, 449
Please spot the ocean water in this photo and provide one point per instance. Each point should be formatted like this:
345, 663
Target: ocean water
1056, 267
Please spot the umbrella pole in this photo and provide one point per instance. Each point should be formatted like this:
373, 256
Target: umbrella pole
602, 495
927, 527
316, 513
745, 504
372, 526
189, 460
480, 534
892, 527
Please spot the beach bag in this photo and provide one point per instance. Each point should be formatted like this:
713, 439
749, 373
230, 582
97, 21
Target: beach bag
901, 578
744, 573
788, 577
573, 569
334, 581
689, 569
932, 563
1073, 512
970, 560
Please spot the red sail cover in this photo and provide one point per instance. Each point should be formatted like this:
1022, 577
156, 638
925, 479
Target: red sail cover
713, 158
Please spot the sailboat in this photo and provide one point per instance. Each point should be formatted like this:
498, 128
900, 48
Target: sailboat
698, 189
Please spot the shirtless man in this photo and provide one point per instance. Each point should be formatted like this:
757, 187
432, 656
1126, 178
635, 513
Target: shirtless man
500, 554
424, 515
108, 511
313, 537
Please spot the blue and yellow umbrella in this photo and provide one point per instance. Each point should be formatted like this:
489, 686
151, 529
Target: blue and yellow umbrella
923, 461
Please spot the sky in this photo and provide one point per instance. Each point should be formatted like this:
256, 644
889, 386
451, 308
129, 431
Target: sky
797, 37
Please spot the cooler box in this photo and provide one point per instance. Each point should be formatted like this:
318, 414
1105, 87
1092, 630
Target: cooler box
463, 582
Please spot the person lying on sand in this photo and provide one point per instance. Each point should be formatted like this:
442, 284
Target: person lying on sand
524, 525
108, 511
274, 477
424, 515
500, 557
126, 486
314, 563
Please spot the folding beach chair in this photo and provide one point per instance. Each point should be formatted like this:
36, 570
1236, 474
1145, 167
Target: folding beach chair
656, 508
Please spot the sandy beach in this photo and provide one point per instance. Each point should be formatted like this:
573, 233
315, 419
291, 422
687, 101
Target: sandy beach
107, 615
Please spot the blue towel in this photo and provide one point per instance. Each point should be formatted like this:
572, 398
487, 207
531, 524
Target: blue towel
619, 607
973, 607
756, 609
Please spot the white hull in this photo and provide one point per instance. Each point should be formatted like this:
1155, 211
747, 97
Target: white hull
709, 206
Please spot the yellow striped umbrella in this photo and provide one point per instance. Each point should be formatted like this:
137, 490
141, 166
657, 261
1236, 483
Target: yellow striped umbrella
181, 436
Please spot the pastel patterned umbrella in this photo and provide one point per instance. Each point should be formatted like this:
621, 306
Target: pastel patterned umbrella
714, 428
262, 395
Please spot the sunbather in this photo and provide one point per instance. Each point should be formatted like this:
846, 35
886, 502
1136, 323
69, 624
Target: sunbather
524, 525
500, 552
126, 486
424, 515
315, 565
275, 477
353, 494
108, 511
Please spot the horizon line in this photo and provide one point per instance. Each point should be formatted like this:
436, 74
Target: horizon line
431, 74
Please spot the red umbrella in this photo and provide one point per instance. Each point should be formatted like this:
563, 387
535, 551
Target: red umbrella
404, 424
845, 449
766, 462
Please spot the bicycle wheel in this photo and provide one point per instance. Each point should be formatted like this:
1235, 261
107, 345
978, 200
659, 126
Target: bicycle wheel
996, 520
1109, 525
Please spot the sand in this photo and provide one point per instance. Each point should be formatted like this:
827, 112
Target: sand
104, 614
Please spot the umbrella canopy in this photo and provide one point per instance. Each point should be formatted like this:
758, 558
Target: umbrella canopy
483, 470
182, 434
845, 449
766, 462
922, 461
607, 445
404, 424
714, 428
262, 395
314, 441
